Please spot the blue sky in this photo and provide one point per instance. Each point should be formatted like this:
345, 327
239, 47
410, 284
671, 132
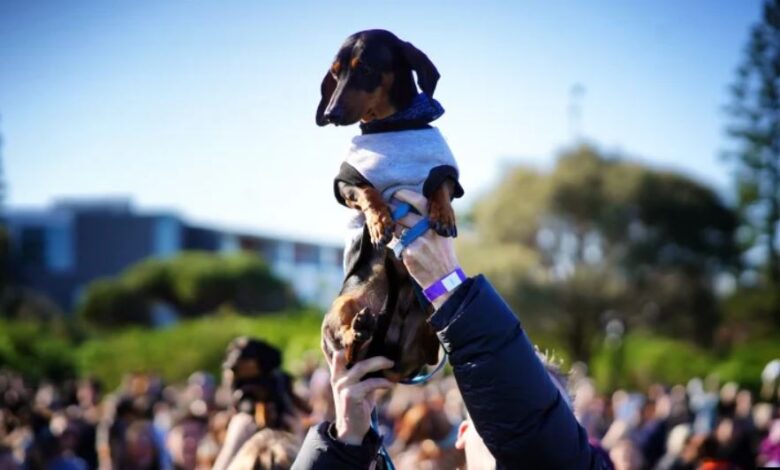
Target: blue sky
207, 108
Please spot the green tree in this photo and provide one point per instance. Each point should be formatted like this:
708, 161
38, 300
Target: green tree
755, 128
5, 244
599, 237
110, 303
2, 178
194, 283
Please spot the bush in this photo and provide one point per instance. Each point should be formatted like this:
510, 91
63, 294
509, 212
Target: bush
201, 282
110, 303
151, 277
194, 283
194, 345
643, 359
745, 362
750, 313
36, 351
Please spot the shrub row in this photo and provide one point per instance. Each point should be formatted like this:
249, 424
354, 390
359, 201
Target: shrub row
174, 353
641, 359
192, 284
41, 352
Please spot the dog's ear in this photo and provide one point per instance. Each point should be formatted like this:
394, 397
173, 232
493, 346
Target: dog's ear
427, 75
326, 90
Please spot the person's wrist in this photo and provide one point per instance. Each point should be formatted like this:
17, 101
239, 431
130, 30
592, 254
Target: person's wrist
441, 289
347, 436
441, 300
440, 269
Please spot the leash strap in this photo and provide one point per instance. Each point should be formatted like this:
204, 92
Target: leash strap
383, 454
422, 378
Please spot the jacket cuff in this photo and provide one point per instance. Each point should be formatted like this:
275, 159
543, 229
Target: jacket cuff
461, 320
360, 456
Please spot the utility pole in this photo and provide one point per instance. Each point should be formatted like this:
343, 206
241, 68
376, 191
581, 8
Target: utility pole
576, 95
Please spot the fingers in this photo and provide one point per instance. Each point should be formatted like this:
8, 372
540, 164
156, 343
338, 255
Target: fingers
338, 364
353, 375
364, 388
406, 222
354, 394
327, 349
417, 200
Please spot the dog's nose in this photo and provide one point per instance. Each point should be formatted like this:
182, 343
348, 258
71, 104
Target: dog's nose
334, 114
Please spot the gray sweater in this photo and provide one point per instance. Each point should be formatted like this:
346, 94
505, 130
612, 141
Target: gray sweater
397, 160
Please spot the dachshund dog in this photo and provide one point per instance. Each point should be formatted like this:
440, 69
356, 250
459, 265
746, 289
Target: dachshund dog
258, 384
379, 310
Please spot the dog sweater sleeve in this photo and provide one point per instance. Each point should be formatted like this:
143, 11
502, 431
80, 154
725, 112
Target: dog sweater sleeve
436, 178
348, 174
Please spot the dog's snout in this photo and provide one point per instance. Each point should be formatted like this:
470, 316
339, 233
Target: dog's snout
334, 114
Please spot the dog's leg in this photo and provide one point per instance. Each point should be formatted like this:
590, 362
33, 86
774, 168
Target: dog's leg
440, 211
378, 218
349, 324
361, 331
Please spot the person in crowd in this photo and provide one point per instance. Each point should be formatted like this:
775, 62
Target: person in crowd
7, 461
625, 455
769, 452
268, 413
183, 441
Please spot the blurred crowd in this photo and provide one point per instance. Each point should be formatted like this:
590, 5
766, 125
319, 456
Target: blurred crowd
703, 425
255, 417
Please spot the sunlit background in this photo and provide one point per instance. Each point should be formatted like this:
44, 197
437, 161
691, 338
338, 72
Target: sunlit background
165, 189
208, 108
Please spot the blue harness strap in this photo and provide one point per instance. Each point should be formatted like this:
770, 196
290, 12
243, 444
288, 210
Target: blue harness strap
401, 211
411, 234
408, 236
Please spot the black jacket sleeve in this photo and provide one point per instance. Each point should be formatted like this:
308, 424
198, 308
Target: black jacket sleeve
321, 451
519, 413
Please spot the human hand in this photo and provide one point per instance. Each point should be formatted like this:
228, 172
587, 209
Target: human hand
240, 429
430, 257
353, 397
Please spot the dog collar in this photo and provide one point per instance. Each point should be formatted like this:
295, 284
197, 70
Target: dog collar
422, 110
444, 285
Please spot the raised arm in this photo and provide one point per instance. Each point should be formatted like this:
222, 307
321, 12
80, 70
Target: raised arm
520, 414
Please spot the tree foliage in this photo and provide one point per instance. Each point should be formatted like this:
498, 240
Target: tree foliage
4, 235
192, 283
598, 238
755, 128
111, 303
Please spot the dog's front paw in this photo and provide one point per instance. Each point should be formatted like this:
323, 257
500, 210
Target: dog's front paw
380, 226
442, 219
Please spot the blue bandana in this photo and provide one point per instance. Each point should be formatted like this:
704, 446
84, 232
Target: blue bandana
422, 110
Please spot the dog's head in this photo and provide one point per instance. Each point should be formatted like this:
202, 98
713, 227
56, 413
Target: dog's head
371, 78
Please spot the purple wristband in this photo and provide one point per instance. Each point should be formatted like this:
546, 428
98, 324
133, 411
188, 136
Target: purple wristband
446, 284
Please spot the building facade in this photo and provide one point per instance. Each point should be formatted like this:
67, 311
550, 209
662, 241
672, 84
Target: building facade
58, 250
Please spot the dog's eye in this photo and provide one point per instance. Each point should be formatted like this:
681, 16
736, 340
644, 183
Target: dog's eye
362, 69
